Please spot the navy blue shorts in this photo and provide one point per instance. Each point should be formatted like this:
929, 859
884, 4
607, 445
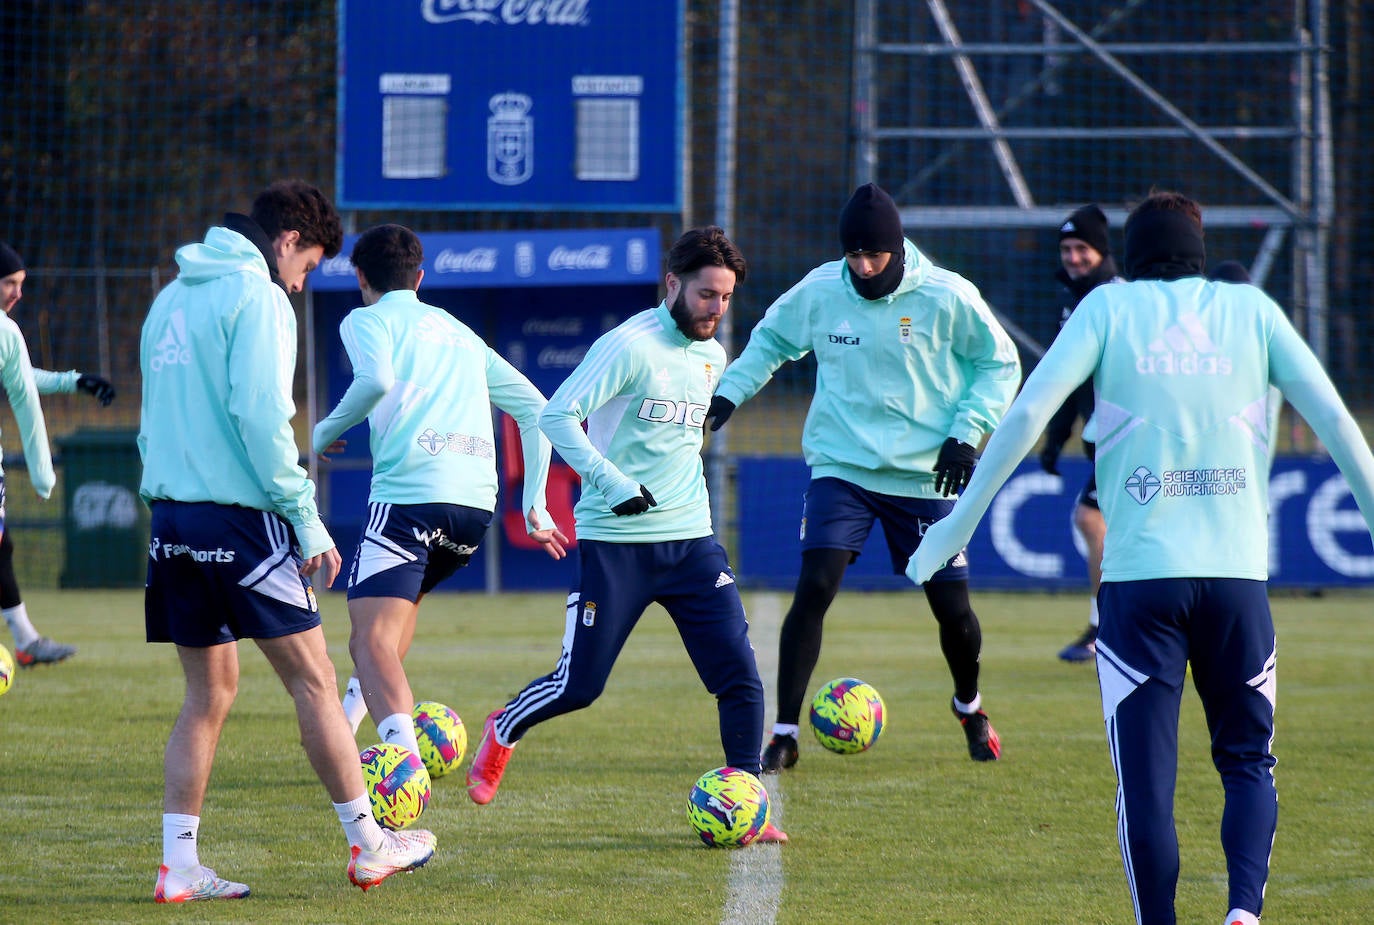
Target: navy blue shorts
217, 573
840, 515
407, 549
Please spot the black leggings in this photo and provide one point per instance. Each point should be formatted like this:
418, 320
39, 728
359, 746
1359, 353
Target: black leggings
799, 644
9, 586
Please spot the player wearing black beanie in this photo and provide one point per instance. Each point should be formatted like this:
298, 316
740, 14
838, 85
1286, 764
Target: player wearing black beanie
870, 223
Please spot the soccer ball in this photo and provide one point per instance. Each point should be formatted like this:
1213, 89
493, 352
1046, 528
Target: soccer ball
847, 715
442, 737
397, 783
6, 669
728, 807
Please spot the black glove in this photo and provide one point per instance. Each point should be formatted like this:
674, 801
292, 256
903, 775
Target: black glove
719, 412
954, 467
636, 505
94, 385
1049, 459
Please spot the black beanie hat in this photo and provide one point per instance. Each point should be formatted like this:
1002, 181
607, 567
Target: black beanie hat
870, 222
1088, 225
10, 261
1229, 271
1163, 244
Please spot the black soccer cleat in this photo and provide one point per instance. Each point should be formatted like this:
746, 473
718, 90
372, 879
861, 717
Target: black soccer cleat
983, 742
781, 753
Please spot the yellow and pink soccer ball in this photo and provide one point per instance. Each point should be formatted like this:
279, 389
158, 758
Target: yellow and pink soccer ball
847, 715
6, 669
442, 738
728, 807
397, 784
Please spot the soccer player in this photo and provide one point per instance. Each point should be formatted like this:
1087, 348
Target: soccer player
235, 530
30, 647
1085, 258
1182, 367
912, 371
425, 383
644, 518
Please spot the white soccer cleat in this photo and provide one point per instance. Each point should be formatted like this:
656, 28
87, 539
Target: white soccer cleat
400, 851
184, 886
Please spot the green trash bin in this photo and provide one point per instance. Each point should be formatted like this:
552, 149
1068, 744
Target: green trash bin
106, 524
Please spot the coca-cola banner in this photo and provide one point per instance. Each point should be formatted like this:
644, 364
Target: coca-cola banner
510, 104
477, 260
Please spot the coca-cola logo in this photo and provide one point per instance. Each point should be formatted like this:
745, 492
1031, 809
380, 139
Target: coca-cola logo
591, 257
552, 327
477, 260
338, 265
510, 12
560, 357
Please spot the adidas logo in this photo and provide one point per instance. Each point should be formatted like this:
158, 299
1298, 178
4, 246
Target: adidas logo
188, 835
391, 734
723, 579
843, 334
1184, 349
171, 349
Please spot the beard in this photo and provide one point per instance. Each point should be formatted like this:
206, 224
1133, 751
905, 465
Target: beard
694, 328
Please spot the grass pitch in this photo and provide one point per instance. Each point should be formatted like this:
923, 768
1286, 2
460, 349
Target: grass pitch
590, 826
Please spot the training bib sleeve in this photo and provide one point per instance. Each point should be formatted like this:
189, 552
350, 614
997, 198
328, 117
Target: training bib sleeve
599, 377
261, 362
16, 372
1070, 360
368, 344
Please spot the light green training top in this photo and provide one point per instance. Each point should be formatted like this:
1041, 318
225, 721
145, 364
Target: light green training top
426, 383
643, 389
895, 377
1182, 371
218, 353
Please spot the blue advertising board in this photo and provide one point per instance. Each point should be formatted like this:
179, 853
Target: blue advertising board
510, 104
1317, 537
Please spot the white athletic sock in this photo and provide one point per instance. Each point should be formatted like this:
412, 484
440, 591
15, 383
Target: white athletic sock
179, 835
971, 707
1092, 611
354, 707
18, 619
399, 729
359, 825
1241, 917
786, 729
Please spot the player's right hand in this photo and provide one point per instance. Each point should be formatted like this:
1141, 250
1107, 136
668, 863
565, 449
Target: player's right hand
334, 448
636, 505
718, 412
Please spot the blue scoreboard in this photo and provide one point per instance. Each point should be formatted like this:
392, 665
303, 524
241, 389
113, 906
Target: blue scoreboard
511, 105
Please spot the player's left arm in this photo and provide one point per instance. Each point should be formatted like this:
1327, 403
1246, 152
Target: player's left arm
514, 394
1070, 360
984, 347
261, 355
1299, 375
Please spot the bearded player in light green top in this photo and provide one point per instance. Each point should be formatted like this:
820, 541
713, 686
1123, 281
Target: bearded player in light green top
1182, 368
425, 383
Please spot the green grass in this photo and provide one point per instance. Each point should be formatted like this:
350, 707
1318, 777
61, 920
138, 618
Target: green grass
589, 825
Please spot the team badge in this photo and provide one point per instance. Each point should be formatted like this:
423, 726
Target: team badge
904, 330
710, 376
589, 613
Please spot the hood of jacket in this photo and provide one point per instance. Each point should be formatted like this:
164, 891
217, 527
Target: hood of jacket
223, 252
